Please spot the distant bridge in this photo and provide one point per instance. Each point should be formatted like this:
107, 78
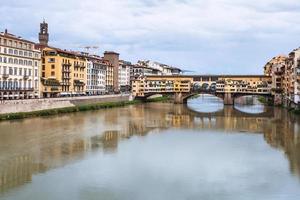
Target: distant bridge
226, 87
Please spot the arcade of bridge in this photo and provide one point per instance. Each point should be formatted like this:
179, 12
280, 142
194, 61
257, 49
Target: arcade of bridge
182, 86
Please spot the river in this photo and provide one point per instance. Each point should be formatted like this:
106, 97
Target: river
154, 151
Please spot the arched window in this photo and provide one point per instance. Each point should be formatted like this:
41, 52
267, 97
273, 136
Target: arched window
15, 61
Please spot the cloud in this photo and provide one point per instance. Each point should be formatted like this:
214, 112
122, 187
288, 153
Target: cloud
215, 36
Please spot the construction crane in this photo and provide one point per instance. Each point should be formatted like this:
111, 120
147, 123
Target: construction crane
88, 48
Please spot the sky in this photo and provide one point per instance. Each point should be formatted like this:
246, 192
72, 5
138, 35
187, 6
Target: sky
204, 36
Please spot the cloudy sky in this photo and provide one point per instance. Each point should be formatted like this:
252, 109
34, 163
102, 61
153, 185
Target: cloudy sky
206, 36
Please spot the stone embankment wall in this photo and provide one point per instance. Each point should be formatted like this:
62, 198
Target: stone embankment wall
29, 105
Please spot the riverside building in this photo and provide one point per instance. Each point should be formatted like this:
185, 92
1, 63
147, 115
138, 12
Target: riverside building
63, 73
124, 76
19, 68
96, 76
113, 60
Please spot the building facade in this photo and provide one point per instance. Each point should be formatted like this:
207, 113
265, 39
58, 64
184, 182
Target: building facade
63, 73
109, 81
113, 59
20, 65
96, 76
285, 73
247, 85
276, 68
156, 84
293, 76
124, 76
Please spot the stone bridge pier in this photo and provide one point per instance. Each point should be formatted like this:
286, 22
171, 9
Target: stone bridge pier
228, 98
178, 98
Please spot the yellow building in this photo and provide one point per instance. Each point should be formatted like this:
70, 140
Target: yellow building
63, 73
244, 84
161, 84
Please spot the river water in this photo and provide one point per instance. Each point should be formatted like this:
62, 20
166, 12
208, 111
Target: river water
154, 151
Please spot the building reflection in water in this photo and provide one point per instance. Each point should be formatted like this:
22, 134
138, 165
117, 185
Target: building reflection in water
37, 145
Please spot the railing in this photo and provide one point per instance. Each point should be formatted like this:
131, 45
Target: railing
66, 64
5, 75
16, 89
66, 70
26, 76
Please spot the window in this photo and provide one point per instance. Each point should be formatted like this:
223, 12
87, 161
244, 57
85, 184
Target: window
52, 73
35, 72
29, 72
51, 60
20, 71
15, 71
16, 52
52, 66
10, 71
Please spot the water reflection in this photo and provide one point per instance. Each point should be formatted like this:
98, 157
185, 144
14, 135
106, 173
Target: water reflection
206, 103
250, 104
34, 146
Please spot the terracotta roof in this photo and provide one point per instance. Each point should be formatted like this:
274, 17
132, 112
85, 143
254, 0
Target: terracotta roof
14, 37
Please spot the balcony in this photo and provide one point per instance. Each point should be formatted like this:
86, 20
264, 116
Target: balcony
66, 70
5, 75
66, 64
54, 89
66, 77
79, 83
16, 89
26, 77
79, 66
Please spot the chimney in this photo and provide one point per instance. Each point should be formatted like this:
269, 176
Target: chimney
6, 31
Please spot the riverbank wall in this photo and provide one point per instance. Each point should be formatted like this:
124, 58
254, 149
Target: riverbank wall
31, 105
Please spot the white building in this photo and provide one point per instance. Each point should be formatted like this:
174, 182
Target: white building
159, 68
125, 69
96, 76
19, 68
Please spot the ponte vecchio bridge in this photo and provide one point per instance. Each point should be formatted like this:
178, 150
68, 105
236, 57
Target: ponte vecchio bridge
227, 87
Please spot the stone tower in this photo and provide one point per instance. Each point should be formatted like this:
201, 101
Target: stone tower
113, 59
43, 34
